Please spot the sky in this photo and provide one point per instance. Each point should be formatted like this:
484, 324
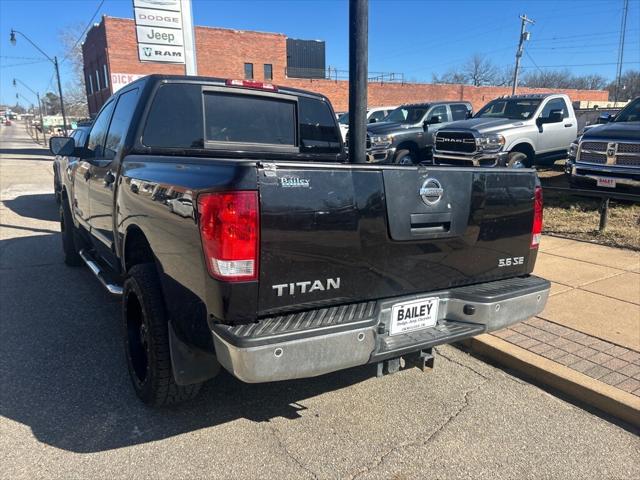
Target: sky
417, 38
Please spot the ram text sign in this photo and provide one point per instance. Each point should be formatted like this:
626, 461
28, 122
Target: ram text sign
159, 31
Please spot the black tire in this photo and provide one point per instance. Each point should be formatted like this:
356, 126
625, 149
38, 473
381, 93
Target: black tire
146, 338
404, 157
69, 236
518, 160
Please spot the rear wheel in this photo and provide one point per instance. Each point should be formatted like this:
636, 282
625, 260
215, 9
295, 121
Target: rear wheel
70, 239
518, 160
146, 337
404, 157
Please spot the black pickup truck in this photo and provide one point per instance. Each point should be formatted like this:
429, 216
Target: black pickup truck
238, 234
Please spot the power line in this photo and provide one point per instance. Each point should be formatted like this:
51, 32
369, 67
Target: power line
22, 64
583, 65
83, 31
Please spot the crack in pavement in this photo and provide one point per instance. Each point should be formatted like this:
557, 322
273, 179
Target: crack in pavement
283, 447
383, 458
468, 367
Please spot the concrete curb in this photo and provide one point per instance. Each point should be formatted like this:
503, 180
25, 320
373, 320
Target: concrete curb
611, 400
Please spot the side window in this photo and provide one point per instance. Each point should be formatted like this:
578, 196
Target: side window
120, 123
99, 131
318, 130
379, 115
441, 111
79, 137
555, 104
175, 118
459, 111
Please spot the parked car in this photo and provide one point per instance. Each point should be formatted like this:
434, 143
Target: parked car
375, 114
406, 134
608, 155
514, 131
282, 260
80, 136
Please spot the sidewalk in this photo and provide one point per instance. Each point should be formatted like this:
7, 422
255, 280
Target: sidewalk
587, 340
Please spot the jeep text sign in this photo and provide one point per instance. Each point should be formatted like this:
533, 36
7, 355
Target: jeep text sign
159, 36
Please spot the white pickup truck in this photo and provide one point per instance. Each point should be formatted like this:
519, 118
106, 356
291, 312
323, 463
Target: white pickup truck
515, 131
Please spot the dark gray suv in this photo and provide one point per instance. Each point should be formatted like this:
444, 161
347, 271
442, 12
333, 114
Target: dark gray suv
405, 136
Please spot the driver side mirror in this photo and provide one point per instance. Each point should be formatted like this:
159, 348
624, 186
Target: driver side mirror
555, 116
372, 120
432, 121
469, 114
62, 146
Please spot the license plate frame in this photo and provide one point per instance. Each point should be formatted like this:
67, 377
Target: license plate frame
607, 182
413, 316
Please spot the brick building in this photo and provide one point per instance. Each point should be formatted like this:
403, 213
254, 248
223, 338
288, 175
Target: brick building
111, 61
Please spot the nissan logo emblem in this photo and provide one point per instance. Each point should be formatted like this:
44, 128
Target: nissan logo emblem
431, 191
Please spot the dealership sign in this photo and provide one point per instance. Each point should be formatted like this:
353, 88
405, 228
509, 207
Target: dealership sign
159, 30
119, 80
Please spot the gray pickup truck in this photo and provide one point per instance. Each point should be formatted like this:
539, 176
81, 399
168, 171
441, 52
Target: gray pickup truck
406, 135
514, 131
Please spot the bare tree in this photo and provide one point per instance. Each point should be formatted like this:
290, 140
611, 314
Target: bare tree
477, 71
480, 71
75, 91
564, 79
450, 76
629, 86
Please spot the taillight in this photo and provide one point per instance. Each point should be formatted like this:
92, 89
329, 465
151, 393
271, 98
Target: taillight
536, 229
230, 229
252, 84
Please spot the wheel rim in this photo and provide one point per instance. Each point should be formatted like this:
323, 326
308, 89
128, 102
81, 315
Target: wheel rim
519, 163
137, 339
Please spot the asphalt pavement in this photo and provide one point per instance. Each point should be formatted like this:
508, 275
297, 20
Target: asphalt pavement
67, 409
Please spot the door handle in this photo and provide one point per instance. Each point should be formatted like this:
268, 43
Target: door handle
109, 178
567, 125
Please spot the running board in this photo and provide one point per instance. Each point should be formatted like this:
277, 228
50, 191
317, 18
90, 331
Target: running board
112, 288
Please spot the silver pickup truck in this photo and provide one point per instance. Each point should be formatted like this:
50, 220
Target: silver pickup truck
514, 131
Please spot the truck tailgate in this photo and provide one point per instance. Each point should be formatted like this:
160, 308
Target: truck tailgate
336, 234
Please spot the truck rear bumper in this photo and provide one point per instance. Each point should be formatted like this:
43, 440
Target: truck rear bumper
309, 344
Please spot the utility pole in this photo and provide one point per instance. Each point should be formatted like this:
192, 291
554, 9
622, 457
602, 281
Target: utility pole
358, 66
623, 29
524, 36
37, 94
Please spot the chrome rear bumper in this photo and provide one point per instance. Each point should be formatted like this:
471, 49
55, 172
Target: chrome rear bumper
285, 354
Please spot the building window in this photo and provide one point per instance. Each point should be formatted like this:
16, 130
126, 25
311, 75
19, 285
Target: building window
90, 84
98, 81
106, 76
248, 71
268, 71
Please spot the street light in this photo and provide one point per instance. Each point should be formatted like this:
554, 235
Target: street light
54, 60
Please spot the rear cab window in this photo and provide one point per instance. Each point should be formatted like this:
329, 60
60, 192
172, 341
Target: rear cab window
191, 116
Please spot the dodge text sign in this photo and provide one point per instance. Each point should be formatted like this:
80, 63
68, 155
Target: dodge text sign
155, 18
